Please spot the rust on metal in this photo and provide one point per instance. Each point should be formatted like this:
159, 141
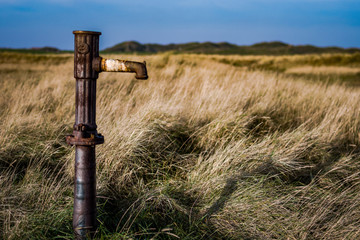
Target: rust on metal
117, 65
86, 32
87, 66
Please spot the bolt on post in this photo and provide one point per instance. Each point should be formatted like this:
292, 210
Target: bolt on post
87, 66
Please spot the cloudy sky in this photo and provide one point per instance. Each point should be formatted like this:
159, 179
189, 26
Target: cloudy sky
38, 23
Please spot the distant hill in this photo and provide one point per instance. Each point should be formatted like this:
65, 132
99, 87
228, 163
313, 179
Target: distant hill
263, 48
33, 50
45, 49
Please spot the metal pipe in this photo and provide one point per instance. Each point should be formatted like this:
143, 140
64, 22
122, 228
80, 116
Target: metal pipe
84, 216
116, 65
87, 65
85, 135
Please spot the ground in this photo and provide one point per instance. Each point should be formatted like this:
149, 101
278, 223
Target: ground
209, 147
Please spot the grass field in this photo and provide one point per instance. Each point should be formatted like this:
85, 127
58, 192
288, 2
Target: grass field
209, 147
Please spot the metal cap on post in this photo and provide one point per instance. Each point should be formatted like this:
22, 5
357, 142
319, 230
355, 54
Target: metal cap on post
87, 66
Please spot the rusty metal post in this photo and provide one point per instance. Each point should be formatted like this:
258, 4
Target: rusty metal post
87, 66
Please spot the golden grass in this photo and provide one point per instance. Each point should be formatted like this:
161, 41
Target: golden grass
323, 70
200, 150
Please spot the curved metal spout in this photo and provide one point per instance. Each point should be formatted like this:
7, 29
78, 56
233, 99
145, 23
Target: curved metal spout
117, 65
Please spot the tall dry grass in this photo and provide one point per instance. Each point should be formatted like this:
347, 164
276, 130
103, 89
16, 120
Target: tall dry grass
203, 149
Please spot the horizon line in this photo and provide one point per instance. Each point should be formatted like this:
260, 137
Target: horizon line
216, 42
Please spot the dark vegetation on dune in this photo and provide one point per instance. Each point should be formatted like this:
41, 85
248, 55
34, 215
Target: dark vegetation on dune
264, 48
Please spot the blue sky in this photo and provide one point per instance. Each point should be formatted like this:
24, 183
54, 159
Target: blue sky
40, 23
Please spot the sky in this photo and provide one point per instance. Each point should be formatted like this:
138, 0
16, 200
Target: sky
38, 23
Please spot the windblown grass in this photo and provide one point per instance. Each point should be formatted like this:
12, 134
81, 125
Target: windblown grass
341, 69
201, 150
